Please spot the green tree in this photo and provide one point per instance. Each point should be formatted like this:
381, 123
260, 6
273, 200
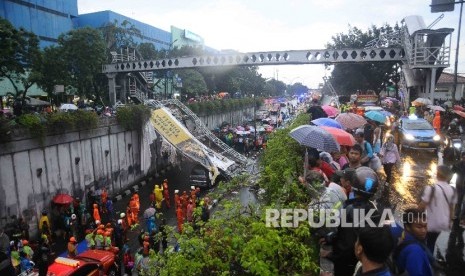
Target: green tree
148, 51
274, 88
53, 70
83, 51
20, 59
348, 78
193, 83
297, 89
119, 36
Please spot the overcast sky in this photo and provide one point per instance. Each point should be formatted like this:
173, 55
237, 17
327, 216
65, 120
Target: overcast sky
267, 25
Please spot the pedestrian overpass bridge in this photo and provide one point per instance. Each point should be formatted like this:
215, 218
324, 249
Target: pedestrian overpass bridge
422, 51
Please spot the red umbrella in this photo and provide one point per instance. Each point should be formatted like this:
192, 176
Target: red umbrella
460, 113
458, 107
330, 110
351, 120
341, 136
62, 199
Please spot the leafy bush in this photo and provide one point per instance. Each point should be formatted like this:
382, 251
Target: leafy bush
34, 124
194, 107
133, 117
282, 163
85, 120
5, 130
61, 121
224, 105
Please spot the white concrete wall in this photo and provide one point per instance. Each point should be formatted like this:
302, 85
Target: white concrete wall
233, 117
104, 160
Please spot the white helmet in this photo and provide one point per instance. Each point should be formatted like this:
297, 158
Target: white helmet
97, 222
176, 191
73, 216
120, 221
122, 215
192, 187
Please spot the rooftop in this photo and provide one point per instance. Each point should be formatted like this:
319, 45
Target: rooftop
449, 78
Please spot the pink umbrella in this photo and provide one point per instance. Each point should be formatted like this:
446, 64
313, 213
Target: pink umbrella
330, 110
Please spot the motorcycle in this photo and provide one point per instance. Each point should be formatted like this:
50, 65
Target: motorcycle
452, 147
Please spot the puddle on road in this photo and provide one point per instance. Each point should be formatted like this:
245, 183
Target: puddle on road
418, 170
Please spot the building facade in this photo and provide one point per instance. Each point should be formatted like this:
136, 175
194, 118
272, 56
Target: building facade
48, 19
149, 34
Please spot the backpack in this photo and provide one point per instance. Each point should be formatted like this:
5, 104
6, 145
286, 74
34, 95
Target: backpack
392, 260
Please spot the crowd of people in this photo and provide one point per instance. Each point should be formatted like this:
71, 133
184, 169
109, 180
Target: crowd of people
353, 182
104, 228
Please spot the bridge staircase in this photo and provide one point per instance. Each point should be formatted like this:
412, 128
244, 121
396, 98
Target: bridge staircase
427, 52
139, 83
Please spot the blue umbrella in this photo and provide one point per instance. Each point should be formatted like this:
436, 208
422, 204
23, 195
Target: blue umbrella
327, 122
386, 113
314, 137
376, 116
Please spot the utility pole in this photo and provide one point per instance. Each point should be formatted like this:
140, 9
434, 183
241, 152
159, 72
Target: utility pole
446, 6
456, 64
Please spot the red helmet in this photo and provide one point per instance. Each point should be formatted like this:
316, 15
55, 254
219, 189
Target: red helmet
72, 239
25, 242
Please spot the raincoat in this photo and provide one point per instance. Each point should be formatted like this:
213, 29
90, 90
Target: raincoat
437, 122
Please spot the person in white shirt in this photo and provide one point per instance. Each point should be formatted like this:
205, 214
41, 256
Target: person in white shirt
439, 201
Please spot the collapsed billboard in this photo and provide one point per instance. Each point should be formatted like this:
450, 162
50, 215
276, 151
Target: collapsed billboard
179, 136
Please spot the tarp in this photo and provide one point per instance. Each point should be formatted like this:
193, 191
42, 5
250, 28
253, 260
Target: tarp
36, 102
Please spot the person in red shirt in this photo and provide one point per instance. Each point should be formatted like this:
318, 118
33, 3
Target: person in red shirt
326, 168
166, 193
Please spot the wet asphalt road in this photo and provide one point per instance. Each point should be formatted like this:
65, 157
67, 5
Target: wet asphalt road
417, 170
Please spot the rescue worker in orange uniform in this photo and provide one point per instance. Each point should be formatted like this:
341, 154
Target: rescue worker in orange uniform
177, 199
146, 245
190, 211
104, 198
124, 226
437, 122
129, 217
136, 198
166, 193
96, 214
180, 218
193, 196
72, 247
134, 209
184, 200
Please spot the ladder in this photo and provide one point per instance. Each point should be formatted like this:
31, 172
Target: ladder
332, 90
204, 132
